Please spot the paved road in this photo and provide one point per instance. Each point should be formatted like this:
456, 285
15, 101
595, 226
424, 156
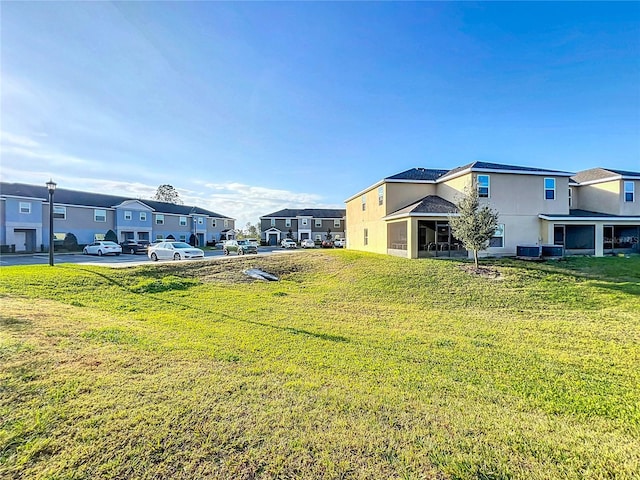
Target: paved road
107, 260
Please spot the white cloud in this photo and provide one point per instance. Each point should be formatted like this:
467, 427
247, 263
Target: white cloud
7, 138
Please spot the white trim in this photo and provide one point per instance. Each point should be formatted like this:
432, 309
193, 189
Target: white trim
419, 214
589, 219
609, 179
126, 203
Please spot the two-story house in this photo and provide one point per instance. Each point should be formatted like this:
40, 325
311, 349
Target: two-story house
301, 224
24, 218
407, 214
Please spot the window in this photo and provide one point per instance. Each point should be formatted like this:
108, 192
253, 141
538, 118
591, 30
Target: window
25, 207
628, 191
336, 223
159, 236
159, 219
318, 237
100, 215
183, 221
366, 236
226, 223
483, 186
318, 222
380, 195
200, 220
273, 222
287, 222
60, 213
213, 222
305, 222
143, 216
550, 188
127, 215
183, 238
570, 197
498, 237
364, 202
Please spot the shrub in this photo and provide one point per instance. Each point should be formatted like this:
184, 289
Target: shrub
70, 242
111, 237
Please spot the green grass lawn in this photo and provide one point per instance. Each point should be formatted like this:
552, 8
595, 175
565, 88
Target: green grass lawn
352, 366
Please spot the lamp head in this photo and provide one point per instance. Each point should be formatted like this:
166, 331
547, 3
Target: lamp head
51, 186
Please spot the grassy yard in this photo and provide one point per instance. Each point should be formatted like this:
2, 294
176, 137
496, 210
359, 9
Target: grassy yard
352, 366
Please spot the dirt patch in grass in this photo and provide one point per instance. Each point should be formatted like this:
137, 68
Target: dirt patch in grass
485, 272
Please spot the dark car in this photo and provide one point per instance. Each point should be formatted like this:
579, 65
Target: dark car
133, 247
239, 246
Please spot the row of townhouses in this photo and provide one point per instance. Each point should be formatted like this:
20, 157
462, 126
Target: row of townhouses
24, 218
593, 212
300, 224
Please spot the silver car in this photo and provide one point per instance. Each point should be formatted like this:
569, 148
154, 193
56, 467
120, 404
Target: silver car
102, 248
173, 250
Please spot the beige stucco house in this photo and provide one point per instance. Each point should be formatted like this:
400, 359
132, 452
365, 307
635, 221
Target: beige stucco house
407, 214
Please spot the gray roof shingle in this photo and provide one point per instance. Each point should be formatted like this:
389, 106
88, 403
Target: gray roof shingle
598, 173
428, 174
429, 204
308, 212
74, 197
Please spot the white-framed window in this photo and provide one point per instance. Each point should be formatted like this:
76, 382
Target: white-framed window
159, 219
380, 195
226, 223
25, 207
128, 215
366, 236
570, 197
183, 238
364, 202
159, 236
336, 223
305, 222
200, 220
287, 222
99, 215
498, 237
629, 192
59, 213
484, 186
143, 216
318, 237
183, 221
273, 222
318, 222
549, 188
213, 222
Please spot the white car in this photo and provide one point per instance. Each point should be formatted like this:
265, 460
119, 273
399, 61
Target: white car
308, 243
340, 243
173, 250
288, 243
253, 242
102, 248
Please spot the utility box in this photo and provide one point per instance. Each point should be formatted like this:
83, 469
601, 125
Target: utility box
528, 251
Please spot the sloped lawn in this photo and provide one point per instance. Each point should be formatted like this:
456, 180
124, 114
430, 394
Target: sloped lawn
352, 366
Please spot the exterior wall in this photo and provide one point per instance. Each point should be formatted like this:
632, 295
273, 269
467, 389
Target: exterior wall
630, 208
399, 195
3, 220
603, 197
453, 189
18, 224
81, 222
134, 225
369, 219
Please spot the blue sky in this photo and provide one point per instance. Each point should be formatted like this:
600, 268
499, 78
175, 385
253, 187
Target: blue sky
247, 108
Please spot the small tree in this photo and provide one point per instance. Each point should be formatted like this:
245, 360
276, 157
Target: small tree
290, 234
166, 193
328, 235
475, 225
70, 242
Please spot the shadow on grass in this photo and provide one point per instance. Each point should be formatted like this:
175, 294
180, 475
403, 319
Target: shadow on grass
295, 331
13, 323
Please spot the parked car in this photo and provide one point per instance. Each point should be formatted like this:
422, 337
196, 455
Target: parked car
254, 242
340, 243
102, 248
308, 243
239, 246
327, 244
133, 247
173, 250
288, 243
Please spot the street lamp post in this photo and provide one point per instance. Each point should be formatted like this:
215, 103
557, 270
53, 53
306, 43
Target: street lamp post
51, 186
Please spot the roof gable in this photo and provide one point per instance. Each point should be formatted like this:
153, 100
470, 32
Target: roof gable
308, 212
598, 174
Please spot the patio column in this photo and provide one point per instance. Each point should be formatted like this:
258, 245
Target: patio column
412, 238
599, 239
